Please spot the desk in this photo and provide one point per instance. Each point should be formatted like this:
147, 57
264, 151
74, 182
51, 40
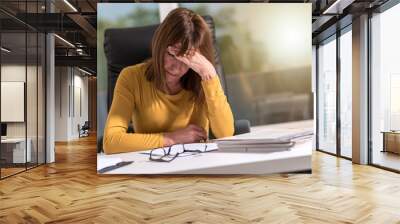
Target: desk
15, 153
297, 159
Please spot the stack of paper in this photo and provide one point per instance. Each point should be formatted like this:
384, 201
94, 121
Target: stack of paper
269, 140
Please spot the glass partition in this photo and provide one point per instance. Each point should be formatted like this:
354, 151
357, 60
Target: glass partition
41, 96
346, 93
385, 89
31, 97
22, 90
327, 95
13, 95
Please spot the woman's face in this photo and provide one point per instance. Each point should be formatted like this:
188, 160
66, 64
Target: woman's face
174, 68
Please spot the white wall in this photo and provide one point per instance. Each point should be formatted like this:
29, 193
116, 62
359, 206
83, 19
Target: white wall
61, 103
80, 83
68, 83
12, 73
34, 126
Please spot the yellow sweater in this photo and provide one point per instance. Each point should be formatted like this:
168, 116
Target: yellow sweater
153, 112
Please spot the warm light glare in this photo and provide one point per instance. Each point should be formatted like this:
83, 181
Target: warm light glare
64, 40
86, 72
291, 37
337, 7
5, 50
70, 5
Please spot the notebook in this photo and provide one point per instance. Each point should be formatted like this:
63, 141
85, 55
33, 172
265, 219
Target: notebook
269, 140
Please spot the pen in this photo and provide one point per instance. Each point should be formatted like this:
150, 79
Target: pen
113, 167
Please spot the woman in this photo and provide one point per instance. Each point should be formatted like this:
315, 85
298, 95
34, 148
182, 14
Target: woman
175, 96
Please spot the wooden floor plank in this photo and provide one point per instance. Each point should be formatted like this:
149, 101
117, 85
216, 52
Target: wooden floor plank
70, 191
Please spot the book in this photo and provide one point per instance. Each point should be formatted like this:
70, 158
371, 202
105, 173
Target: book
268, 140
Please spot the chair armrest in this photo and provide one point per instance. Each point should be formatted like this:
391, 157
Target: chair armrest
100, 144
241, 127
130, 128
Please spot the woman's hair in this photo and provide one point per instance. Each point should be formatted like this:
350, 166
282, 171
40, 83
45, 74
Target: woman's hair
191, 31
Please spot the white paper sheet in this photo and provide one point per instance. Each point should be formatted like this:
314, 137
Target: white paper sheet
103, 162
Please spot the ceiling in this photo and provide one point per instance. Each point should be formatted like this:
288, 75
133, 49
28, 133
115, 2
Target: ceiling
76, 25
76, 21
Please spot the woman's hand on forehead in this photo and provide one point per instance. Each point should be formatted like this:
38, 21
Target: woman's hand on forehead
175, 50
196, 61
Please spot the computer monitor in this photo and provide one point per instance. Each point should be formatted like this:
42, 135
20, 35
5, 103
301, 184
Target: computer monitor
3, 129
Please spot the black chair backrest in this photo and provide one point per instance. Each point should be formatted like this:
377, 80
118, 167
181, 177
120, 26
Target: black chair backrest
129, 46
86, 125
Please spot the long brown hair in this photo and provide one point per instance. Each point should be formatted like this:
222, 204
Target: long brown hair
188, 28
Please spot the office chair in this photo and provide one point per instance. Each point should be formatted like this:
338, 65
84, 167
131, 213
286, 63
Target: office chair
129, 46
84, 129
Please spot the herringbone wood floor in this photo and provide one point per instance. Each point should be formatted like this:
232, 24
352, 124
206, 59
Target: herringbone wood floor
70, 191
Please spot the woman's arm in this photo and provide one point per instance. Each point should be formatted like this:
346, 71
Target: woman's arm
116, 139
218, 110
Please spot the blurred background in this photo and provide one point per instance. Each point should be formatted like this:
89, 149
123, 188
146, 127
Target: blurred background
265, 51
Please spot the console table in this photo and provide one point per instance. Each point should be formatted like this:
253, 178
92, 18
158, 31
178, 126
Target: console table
391, 141
13, 150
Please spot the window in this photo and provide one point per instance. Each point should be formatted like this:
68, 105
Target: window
268, 77
119, 15
385, 89
346, 92
327, 95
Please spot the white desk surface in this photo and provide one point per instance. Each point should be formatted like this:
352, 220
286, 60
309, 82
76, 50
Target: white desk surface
298, 158
13, 140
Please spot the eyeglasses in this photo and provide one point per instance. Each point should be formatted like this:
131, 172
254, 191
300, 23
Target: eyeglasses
167, 154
